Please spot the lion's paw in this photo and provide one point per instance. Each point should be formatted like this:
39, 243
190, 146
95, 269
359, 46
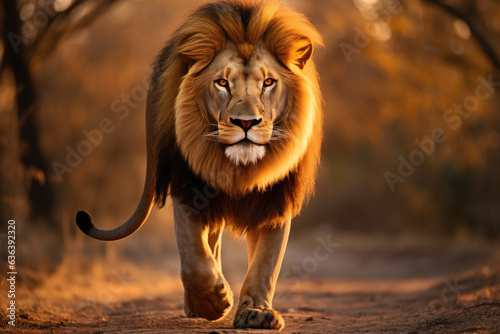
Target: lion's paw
259, 317
211, 304
188, 313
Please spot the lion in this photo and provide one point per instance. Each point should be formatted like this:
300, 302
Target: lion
234, 131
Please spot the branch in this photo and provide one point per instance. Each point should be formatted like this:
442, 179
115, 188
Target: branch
483, 42
49, 38
60, 15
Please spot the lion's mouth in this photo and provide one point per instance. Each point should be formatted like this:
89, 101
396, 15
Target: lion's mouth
245, 141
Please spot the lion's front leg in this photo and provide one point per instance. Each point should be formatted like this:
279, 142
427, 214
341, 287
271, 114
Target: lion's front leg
265, 254
206, 292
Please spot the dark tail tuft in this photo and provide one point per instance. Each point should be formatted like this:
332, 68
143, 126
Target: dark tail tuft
84, 221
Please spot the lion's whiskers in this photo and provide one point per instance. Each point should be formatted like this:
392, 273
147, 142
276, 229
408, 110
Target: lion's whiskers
213, 136
278, 134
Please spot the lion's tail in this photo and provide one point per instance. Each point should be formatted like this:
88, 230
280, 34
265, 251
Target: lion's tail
84, 219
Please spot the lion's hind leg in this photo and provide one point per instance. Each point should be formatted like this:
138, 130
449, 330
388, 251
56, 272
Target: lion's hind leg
206, 292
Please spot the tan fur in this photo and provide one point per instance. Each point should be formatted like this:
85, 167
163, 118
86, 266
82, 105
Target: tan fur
211, 75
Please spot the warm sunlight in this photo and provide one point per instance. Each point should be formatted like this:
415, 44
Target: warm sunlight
327, 167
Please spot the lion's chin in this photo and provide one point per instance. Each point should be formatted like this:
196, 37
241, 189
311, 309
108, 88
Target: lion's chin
245, 153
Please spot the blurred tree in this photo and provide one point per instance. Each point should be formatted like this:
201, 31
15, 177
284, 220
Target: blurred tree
409, 64
469, 12
471, 189
31, 30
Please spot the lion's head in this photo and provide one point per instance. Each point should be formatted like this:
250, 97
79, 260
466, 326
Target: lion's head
248, 104
234, 103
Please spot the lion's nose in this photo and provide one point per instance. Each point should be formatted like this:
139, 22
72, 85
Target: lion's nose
246, 124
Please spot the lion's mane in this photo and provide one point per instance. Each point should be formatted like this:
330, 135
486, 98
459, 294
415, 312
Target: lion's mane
194, 169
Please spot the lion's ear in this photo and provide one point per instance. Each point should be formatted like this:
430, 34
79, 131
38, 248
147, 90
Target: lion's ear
302, 52
293, 51
195, 66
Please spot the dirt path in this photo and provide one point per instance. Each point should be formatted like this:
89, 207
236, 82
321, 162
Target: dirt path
359, 291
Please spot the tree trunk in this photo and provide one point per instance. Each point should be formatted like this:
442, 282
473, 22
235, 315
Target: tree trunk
41, 191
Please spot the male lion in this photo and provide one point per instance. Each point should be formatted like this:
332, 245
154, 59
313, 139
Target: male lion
234, 112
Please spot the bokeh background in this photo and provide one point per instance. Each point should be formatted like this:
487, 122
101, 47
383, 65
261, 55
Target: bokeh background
392, 73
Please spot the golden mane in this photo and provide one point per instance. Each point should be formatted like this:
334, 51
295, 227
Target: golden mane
185, 163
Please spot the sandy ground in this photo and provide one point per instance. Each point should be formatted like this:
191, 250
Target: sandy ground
369, 288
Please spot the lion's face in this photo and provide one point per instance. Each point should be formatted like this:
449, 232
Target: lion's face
245, 99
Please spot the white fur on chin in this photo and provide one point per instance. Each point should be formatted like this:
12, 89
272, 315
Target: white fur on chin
244, 154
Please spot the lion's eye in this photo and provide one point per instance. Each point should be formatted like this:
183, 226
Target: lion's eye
269, 82
222, 84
